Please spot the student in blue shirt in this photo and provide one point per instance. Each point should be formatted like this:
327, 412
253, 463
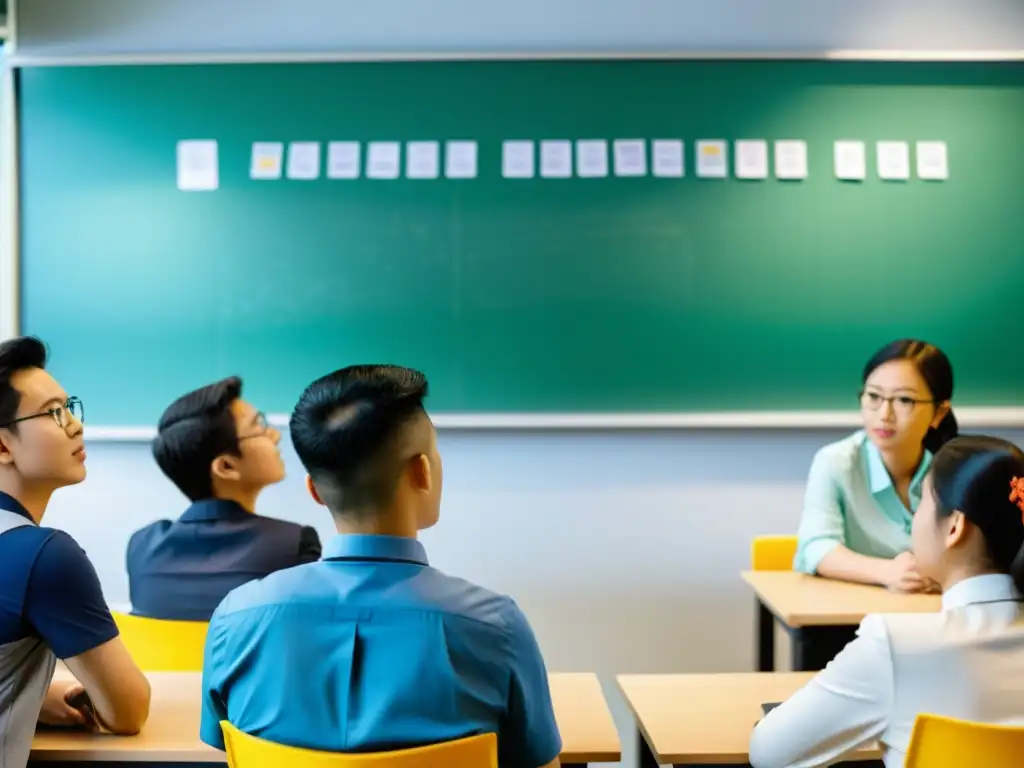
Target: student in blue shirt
221, 453
372, 649
862, 491
51, 604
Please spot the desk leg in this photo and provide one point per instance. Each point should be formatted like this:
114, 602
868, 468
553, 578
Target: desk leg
765, 639
645, 757
814, 647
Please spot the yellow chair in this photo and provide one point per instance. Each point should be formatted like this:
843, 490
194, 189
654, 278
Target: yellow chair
944, 742
772, 553
163, 646
769, 553
245, 751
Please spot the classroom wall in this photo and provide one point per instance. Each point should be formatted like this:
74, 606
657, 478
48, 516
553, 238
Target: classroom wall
623, 547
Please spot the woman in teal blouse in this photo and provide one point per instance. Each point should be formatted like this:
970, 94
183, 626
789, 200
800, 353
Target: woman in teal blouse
862, 491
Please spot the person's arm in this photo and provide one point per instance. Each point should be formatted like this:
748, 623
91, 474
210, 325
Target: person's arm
528, 736
214, 706
899, 574
847, 565
64, 603
120, 693
822, 527
821, 547
309, 545
845, 706
822, 550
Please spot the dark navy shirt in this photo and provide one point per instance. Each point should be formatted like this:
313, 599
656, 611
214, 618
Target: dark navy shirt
182, 569
49, 590
371, 649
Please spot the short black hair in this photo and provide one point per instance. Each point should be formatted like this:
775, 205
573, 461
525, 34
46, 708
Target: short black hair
17, 355
977, 475
193, 431
349, 429
937, 372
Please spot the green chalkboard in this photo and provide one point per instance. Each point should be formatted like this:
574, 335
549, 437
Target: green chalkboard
581, 295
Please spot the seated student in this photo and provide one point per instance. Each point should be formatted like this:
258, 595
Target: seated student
862, 491
51, 604
966, 661
371, 649
221, 454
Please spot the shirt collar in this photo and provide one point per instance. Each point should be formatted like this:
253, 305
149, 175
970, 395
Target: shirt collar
366, 547
878, 475
980, 589
11, 504
209, 510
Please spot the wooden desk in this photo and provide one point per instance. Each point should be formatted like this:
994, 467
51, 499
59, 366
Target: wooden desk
821, 615
584, 720
172, 733
706, 719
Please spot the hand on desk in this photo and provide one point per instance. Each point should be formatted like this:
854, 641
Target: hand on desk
901, 576
58, 711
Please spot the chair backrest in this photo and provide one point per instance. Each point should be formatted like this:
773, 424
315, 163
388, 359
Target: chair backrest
163, 646
943, 742
773, 553
245, 751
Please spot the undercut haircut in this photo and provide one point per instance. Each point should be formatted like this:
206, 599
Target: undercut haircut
353, 430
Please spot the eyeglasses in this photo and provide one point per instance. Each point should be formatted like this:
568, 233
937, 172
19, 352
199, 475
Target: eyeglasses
59, 414
261, 424
902, 405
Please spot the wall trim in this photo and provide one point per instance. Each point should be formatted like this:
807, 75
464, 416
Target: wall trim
970, 418
129, 59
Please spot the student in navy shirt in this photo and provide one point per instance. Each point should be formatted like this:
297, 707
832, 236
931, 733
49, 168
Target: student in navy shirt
51, 604
221, 453
372, 649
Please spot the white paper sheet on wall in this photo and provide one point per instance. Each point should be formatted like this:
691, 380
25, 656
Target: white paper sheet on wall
198, 167
304, 160
343, 160
517, 159
591, 158
667, 158
422, 160
267, 157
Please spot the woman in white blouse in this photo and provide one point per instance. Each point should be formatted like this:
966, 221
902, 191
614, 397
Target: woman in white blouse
966, 661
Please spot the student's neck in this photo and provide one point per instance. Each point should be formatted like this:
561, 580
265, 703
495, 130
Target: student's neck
246, 499
903, 464
384, 525
962, 573
34, 500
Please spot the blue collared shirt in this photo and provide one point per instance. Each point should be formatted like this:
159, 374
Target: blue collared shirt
371, 649
850, 500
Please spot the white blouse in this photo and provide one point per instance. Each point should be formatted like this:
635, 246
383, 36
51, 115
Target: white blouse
966, 661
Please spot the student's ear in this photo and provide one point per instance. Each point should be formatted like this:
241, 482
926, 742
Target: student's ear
941, 410
225, 467
419, 473
6, 457
311, 488
956, 530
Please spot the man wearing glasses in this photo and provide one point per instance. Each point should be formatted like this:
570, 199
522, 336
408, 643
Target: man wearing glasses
51, 603
221, 453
